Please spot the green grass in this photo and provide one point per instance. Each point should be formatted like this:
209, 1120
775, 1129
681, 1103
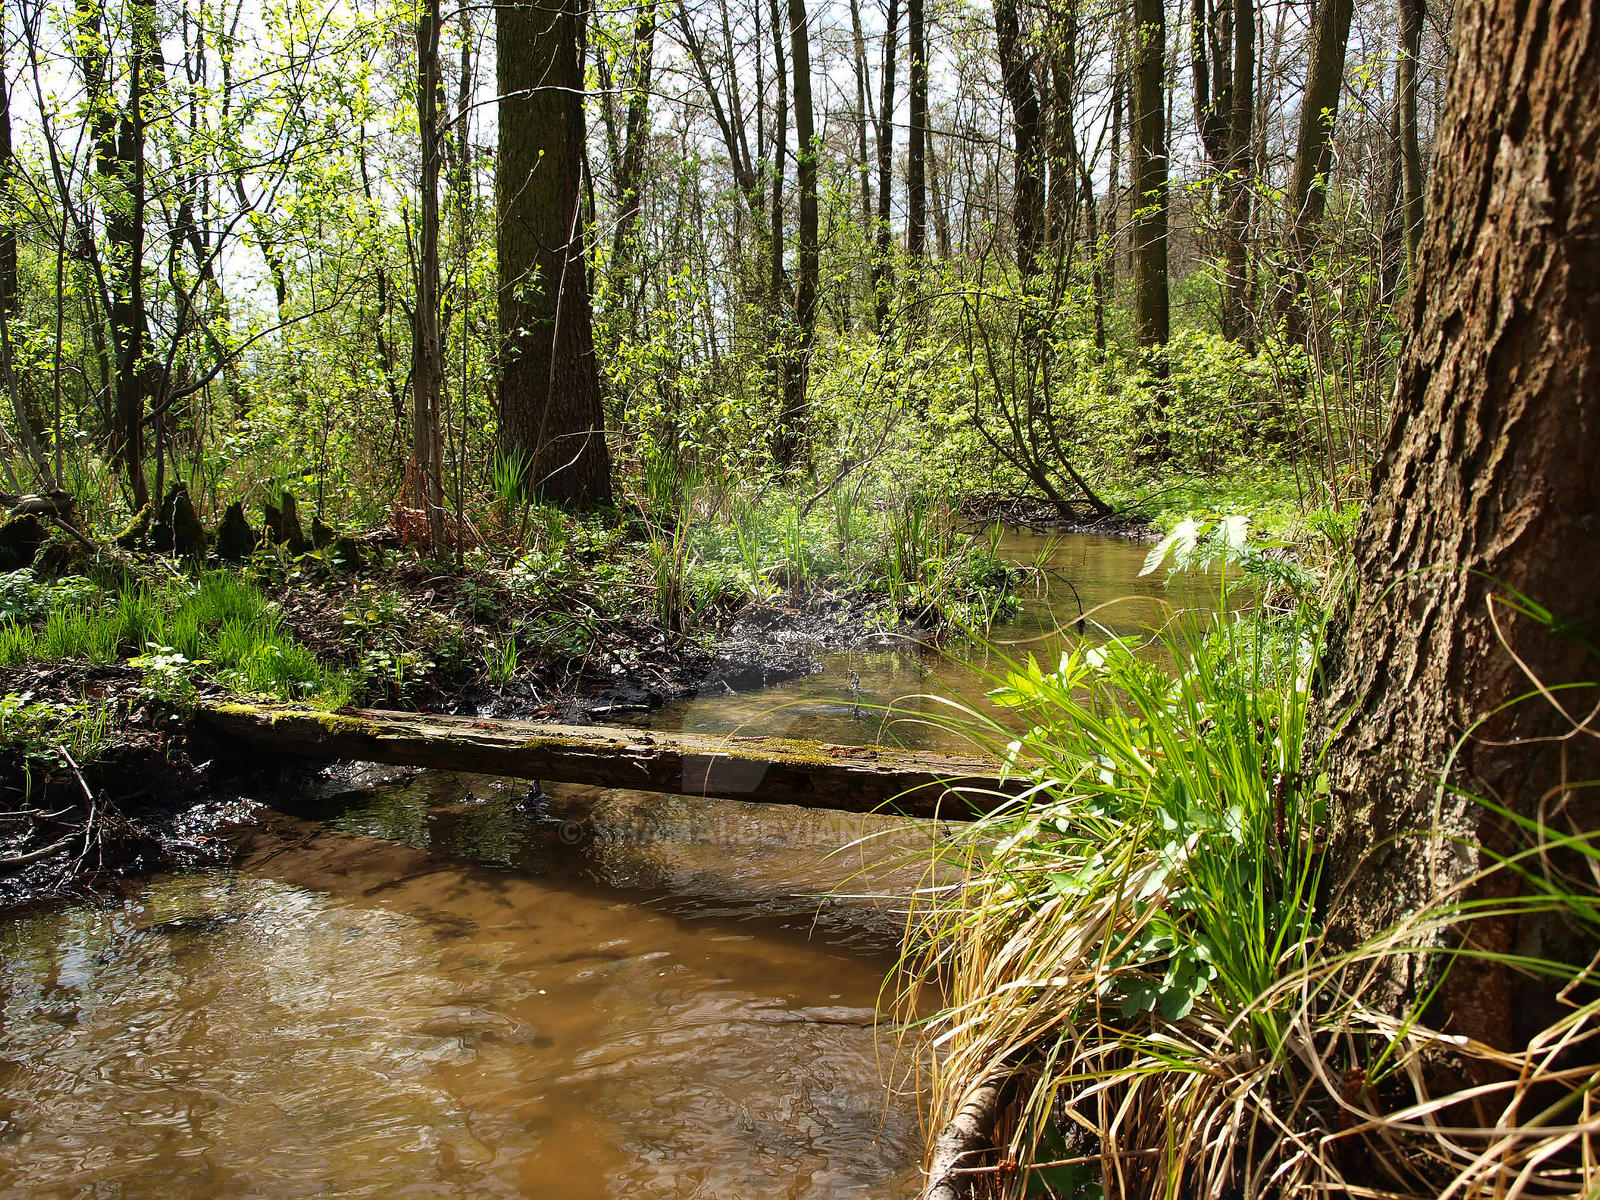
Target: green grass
1122, 921
218, 625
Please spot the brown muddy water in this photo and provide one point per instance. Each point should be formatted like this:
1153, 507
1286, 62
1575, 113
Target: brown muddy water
432, 986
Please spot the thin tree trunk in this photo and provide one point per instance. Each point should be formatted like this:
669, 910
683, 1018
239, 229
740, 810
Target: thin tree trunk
427, 365
1482, 519
863, 103
1308, 187
916, 149
1016, 75
882, 239
1061, 209
780, 153
796, 407
630, 175
1411, 14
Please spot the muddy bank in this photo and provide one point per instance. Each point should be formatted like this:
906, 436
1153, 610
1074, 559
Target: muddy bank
1045, 516
149, 790
102, 780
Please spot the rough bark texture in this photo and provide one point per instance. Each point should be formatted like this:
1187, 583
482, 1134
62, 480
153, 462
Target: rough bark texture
549, 394
1488, 486
772, 770
1151, 309
1016, 71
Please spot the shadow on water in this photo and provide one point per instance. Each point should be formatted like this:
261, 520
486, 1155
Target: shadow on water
437, 986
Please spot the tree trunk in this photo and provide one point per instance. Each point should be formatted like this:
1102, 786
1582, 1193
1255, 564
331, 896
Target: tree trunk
769, 770
1016, 73
1151, 318
427, 358
1484, 507
1411, 14
1223, 67
777, 281
797, 360
882, 239
917, 148
1061, 211
630, 174
1308, 188
863, 102
549, 388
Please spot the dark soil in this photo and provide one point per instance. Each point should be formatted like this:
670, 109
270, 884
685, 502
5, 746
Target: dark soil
1044, 516
157, 795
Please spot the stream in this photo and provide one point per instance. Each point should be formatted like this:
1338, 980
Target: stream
433, 985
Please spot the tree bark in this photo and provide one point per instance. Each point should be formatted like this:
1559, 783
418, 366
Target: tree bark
630, 173
1411, 14
427, 356
1223, 66
1308, 187
770, 770
1151, 305
792, 422
1483, 507
883, 240
1016, 73
550, 412
917, 147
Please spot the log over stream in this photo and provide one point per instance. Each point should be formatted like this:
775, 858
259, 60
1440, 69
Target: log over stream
768, 769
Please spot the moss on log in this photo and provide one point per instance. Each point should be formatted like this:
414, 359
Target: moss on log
771, 770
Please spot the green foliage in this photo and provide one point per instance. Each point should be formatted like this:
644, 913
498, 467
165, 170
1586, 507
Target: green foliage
218, 621
1144, 898
38, 732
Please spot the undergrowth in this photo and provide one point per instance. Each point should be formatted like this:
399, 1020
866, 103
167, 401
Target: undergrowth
218, 625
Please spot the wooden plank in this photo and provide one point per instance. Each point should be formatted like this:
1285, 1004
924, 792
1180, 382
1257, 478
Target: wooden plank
771, 770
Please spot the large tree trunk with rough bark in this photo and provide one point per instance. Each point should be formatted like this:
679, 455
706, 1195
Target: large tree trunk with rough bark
1151, 304
1486, 504
1016, 73
549, 394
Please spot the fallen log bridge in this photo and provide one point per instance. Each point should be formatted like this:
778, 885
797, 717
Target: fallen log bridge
771, 770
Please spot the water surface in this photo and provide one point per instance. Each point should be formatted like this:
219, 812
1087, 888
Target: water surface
435, 986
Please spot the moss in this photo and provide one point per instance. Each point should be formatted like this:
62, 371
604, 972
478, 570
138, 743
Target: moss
322, 534
20, 539
346, 553
60, 555
137, 531
235, 539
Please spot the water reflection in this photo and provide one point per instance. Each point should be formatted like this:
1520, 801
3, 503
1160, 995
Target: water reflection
1090, 587
442, 986
647, 1012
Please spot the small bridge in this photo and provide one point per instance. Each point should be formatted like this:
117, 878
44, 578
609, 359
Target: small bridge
771, 770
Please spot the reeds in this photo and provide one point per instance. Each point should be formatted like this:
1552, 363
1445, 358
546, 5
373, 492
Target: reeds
1134, 941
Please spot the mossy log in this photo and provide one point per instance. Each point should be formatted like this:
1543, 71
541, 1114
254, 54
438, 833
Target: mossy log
771, 770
